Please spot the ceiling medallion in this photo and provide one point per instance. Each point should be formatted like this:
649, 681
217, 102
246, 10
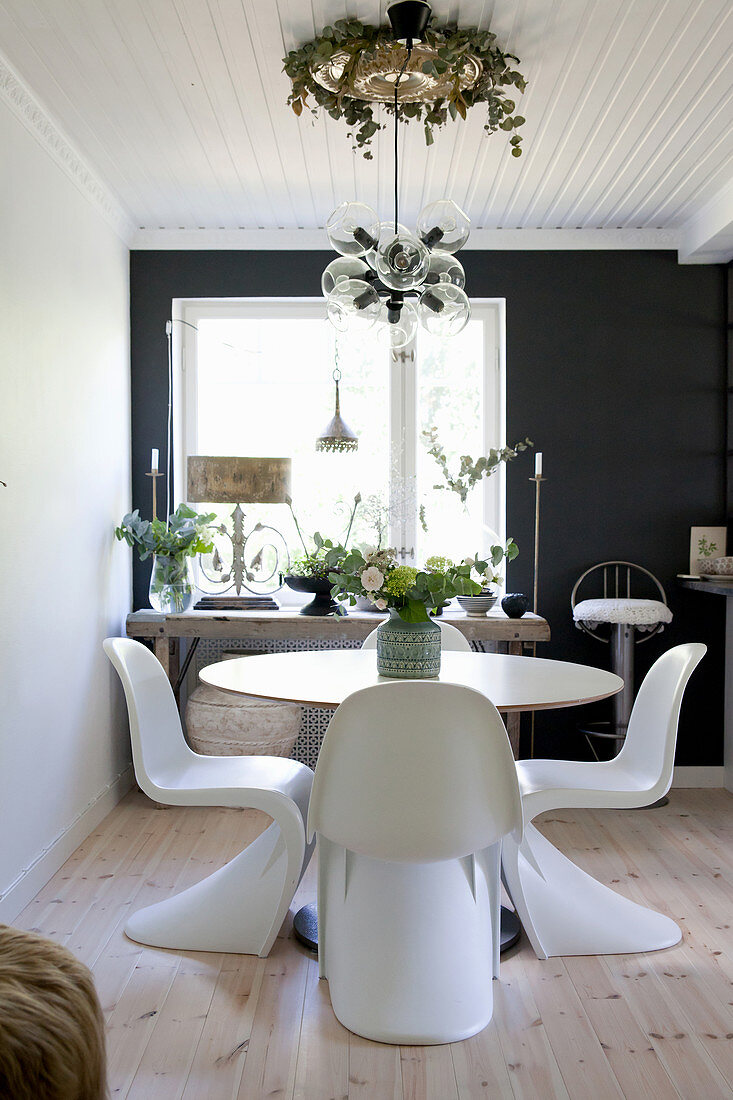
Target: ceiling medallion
374, 77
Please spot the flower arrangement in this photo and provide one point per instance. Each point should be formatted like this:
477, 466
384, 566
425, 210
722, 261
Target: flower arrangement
353, 44
183, 536
411, 592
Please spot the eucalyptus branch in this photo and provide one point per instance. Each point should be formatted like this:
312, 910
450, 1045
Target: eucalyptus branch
470, 470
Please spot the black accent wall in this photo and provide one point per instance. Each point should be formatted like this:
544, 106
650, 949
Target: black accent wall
616, 368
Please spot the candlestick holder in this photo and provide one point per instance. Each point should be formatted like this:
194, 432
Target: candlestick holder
538, 479
155, 474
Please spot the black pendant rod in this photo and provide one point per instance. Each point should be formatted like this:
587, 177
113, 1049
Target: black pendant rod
396, 132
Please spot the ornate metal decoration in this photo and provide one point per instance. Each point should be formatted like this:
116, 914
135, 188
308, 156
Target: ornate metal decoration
374, 78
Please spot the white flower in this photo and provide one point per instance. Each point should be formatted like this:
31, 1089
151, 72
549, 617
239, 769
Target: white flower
380, 603
369, 552
469, 562
372, 579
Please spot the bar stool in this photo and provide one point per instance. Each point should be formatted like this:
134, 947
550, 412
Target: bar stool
623, 621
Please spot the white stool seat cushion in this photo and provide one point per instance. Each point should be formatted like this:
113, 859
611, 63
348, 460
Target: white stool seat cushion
643, 614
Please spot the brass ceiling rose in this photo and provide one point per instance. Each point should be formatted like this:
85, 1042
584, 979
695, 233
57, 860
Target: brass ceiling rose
374, 77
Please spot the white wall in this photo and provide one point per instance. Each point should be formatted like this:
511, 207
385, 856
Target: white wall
64, 453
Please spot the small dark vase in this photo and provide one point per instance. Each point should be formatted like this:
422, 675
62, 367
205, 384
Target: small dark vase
322, 604
514, 605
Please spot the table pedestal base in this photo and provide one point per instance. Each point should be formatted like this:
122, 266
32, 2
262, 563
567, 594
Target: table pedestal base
305, 927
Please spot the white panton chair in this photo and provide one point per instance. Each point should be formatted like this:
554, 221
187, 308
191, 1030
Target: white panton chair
415, 787
241, 907
450, 639
563, 910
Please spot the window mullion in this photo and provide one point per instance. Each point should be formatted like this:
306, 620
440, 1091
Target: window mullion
403, 443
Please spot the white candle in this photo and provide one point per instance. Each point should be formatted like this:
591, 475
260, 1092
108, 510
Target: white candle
154, 461
538, 464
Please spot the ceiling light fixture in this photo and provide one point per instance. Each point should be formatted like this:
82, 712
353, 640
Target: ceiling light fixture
337, 435
380, 265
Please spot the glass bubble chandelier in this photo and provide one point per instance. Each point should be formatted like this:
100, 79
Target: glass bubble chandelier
383, 264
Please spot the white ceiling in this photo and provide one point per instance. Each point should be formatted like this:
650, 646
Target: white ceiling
178, 107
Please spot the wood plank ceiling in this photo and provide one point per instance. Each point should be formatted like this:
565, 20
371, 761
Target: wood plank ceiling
179, 106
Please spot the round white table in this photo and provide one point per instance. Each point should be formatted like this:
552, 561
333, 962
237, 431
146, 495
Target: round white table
324, 678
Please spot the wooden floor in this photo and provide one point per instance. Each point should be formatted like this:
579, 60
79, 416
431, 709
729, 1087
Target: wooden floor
213, 1027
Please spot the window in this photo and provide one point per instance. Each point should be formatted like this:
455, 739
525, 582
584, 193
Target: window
255, 378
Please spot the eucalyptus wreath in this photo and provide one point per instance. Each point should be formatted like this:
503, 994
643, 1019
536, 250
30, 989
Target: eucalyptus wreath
362, 41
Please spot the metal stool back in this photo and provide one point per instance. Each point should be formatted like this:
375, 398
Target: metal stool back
618, 580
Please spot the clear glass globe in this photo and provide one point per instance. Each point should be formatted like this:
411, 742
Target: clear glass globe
353, 229
402, 262
443, 225
353, 305
343, 267
387, 232
397, 334
444, 268
444, 309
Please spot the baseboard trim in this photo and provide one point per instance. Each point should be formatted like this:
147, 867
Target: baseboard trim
32, 878
699, 776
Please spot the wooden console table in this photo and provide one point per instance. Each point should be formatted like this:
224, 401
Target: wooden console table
166, 632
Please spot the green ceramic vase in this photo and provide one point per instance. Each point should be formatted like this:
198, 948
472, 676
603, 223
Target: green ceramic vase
408, 651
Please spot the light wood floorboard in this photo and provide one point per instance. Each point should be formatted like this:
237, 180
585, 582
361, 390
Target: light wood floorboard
206, 1026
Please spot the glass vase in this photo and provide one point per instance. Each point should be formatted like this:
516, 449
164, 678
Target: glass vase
408, 651
171, 584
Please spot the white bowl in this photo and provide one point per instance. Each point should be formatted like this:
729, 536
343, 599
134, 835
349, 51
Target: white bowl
724, 566
477, 606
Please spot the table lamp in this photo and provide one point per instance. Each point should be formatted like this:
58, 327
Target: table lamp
251, 562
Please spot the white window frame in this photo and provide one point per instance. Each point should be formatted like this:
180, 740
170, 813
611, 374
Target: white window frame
186, 313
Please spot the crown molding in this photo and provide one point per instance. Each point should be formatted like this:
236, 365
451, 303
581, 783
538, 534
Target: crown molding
36, 120
315, 240
707, 238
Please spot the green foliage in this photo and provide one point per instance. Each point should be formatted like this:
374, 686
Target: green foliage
184, 536
470, 470
311, 562
487, 571
363, 41
706, 549
315, 564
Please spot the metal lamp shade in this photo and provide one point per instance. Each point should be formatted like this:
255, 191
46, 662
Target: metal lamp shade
337, 436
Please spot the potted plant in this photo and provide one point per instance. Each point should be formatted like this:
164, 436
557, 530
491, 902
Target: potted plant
172, 545
309, 572
489, 577
408, 643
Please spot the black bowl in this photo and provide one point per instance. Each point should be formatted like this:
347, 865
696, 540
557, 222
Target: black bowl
322, 604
